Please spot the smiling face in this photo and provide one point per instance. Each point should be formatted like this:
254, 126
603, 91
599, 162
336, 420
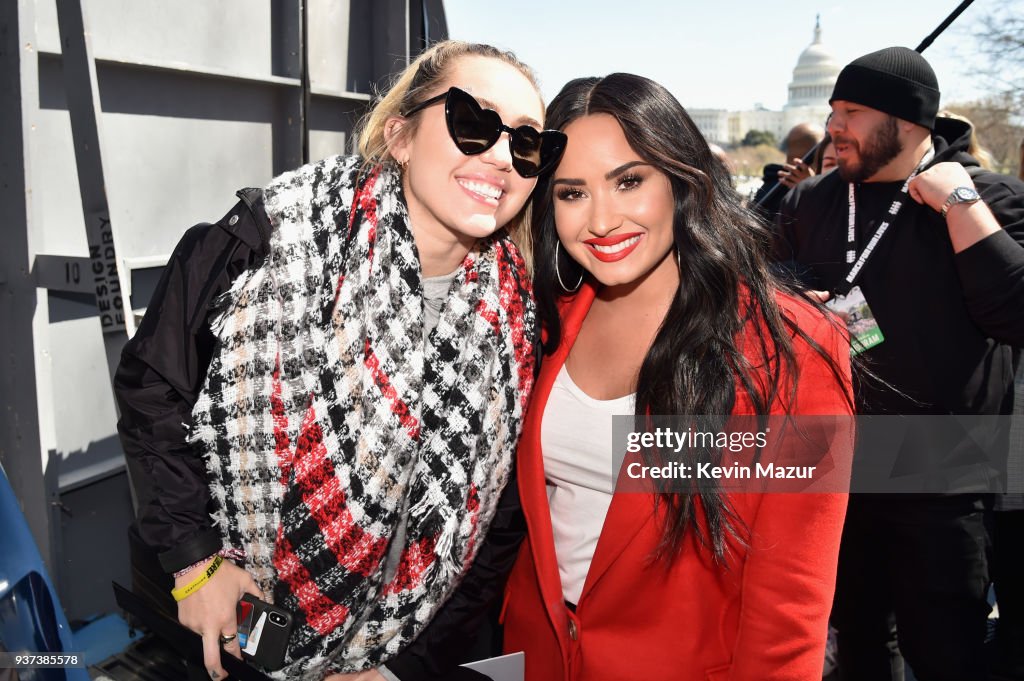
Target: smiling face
866, 140
457, 198
613, 210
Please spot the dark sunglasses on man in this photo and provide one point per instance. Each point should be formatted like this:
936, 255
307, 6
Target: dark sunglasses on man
475, 129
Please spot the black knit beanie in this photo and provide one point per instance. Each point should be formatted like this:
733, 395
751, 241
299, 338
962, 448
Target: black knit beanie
896, 80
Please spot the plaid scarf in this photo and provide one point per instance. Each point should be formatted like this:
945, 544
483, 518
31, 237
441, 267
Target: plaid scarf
331, 426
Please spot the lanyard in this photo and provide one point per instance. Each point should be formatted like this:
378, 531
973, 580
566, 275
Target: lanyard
851, 237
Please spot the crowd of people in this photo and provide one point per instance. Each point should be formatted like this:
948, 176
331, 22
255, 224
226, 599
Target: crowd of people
379, 392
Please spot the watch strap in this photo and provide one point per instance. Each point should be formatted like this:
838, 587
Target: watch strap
955, 198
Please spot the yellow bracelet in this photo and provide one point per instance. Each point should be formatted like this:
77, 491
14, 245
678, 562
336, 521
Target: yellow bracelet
183, 591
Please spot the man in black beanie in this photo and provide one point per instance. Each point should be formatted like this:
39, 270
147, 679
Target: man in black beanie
935, 247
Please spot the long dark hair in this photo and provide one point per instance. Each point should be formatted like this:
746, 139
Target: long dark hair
725, 281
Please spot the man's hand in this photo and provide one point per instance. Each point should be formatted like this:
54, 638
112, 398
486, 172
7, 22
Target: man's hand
210, 611
967, 223
795, 172
933, 186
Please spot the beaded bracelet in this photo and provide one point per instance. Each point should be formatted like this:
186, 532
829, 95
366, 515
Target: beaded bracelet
232, 553
183, 592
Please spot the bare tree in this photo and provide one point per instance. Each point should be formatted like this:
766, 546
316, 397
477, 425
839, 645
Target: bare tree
1001, 40
997, 128
999, 118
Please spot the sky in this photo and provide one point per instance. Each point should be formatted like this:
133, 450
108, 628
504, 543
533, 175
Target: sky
729, 54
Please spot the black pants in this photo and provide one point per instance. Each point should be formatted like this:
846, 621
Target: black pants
913, 570
1008, 573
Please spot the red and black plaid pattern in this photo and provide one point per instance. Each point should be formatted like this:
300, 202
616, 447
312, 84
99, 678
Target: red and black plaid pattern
334, 427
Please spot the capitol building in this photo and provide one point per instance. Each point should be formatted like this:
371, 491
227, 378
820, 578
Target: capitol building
813, 78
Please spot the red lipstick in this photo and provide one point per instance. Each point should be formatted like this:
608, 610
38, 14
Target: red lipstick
603, 248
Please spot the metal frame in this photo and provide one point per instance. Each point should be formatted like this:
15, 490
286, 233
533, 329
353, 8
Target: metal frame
34, 275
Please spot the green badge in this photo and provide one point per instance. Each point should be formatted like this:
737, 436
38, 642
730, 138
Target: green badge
860, 322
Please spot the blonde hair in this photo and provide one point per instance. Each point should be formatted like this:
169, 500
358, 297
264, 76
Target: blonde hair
974, 148
1020, 168
412, 86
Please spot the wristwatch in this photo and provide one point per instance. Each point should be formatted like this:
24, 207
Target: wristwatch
960, 195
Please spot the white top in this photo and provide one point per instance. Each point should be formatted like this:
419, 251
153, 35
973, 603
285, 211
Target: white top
576, 438
435, 293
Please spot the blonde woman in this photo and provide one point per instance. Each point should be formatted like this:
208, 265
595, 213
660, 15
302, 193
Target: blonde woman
336, 374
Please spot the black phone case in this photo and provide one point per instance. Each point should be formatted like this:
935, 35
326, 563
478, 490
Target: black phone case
271, 640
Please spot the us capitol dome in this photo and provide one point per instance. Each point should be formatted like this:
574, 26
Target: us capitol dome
815, 74
813, 79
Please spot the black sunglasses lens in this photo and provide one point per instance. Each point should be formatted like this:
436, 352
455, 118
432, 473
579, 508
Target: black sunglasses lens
472, 129
535, 152
526, 147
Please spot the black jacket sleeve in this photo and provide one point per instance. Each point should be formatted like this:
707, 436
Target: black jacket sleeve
992, 270
159, 378
437, 650
785, 241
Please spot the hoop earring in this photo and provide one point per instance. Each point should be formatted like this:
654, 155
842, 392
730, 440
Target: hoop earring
558, 274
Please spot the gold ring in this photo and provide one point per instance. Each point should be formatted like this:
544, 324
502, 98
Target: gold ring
224, 640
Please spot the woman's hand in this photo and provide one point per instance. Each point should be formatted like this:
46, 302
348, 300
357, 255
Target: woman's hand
368, 675
210, 611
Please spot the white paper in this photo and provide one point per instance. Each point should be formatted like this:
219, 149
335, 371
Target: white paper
511, 667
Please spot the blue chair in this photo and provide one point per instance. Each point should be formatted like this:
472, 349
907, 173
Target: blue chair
31, 618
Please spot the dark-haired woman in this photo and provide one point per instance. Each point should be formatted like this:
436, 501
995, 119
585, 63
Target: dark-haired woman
329, 384
655, 298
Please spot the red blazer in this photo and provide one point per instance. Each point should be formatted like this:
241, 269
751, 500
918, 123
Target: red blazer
765, 618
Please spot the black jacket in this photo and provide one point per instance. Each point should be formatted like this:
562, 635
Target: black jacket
157, 383
950, 321
765, 206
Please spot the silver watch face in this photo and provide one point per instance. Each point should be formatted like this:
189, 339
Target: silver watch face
966, 194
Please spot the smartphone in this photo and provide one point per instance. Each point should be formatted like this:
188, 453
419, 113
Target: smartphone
263, 631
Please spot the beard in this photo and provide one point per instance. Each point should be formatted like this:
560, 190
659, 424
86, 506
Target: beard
882, 147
